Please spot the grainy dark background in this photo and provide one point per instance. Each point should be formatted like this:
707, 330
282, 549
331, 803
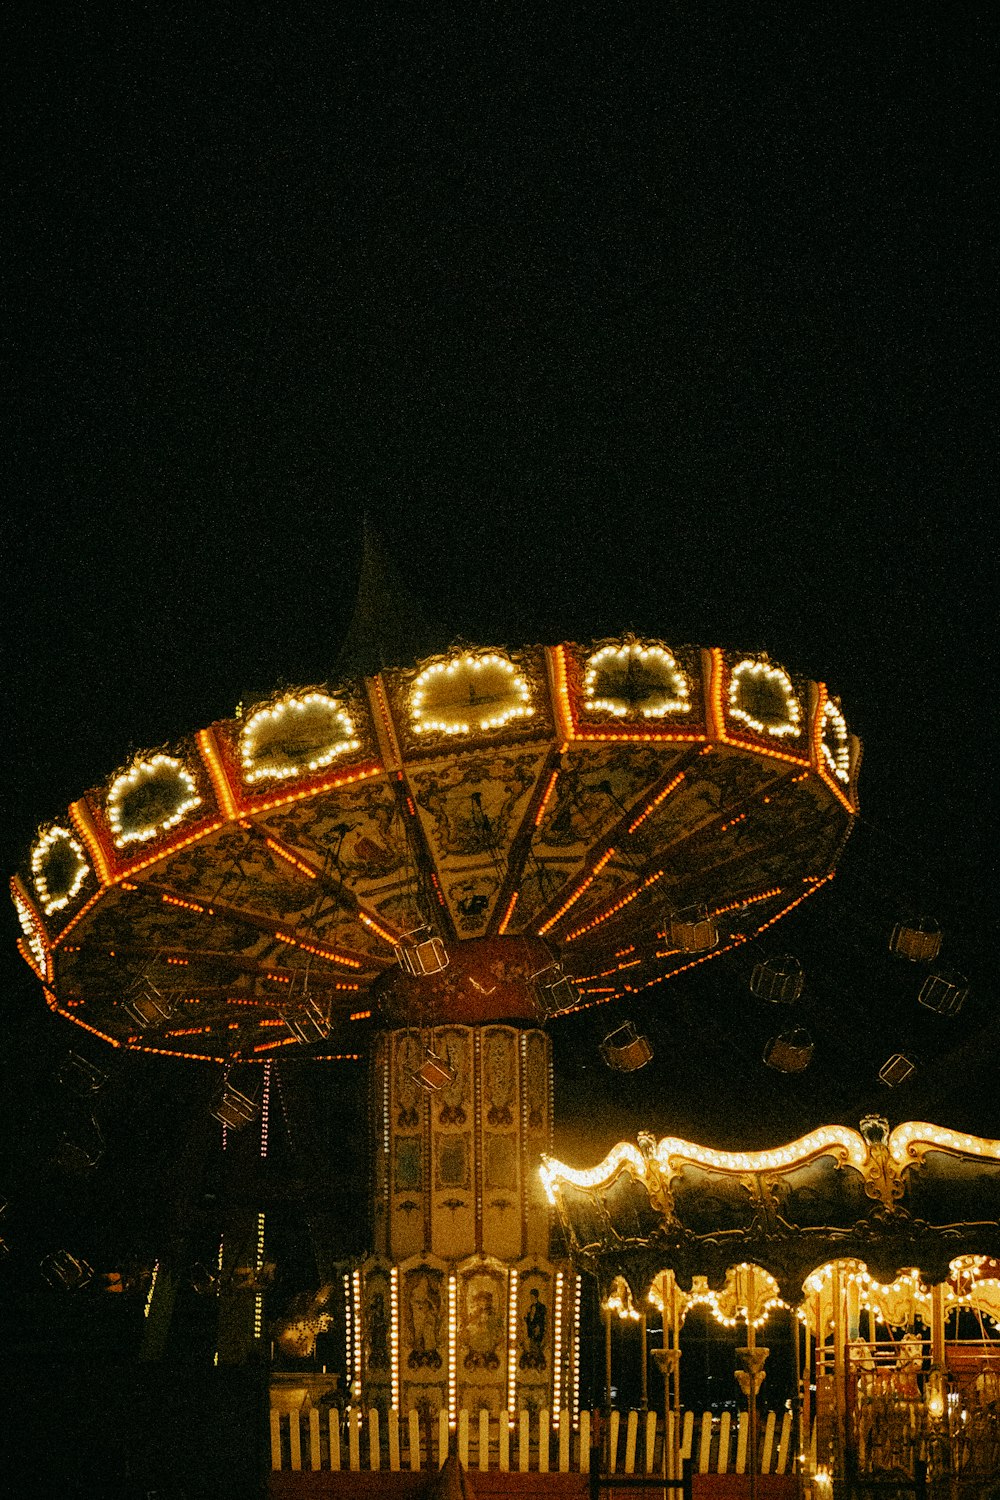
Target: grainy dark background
672, 319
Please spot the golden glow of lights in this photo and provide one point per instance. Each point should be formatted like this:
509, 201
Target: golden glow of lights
670, 694
577, 892
660, 797
166, 773
610, 911
394, 1335
814, 886
88, 905
564, 714
290, 858
169, 900
152, 1288
383, 932
496, 690
205, 740
356, 1319
82, 821
578, 1280
452, 1349
619, 1300
848, 1145
751, 672
167, 850
508, 913
557, 1352
546, 794
54, 900
348, 1338
258, 1301
265, 1111
34, 933
726, 1307
512, 1332
328, 784
319, 950
268, 733
834, 742
905, 1140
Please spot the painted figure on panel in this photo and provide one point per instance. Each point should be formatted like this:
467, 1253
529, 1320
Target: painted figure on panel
535, 1322
425, 1321
378, 1333
484, 1330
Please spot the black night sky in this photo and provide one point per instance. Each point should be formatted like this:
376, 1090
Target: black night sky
666, 320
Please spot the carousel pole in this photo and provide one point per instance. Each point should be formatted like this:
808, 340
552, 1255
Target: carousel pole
644, 1386
840, 1365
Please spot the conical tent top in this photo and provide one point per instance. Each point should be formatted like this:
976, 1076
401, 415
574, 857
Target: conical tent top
388, 626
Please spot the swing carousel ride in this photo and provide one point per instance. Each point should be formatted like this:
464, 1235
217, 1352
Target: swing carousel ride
446, 856
429, 865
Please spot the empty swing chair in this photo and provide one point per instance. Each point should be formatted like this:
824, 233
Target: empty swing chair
625, 1051
232, 1108
553, 990
918, 940
897, 1069
434, 1073
145, 1004
310, 1023
65, 1271
790, 1052
80, 1077
421, 952
780, 980
692, 930
944, 992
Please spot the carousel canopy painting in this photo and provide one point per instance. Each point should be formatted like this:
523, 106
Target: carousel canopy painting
616, 812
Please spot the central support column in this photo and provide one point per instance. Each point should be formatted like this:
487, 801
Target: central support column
468, 1309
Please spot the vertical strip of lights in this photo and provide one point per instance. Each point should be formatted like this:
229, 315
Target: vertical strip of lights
452, 1349
512, 1345
258, 1301
575, 1357
394, 1321
152, 1288
557, 1343
348, 1336
265, 1110
478, 1137
218, 1262
356, 1294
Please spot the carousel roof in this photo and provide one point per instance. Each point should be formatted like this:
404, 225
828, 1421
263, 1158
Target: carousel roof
220, 896
918, 1196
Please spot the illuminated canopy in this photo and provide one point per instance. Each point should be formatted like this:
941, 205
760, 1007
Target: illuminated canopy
918, 1196
578, 797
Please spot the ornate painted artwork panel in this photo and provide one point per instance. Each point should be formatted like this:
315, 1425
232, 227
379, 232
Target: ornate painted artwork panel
596, 788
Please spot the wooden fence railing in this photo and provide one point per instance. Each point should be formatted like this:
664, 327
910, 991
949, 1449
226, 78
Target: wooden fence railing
328, 1439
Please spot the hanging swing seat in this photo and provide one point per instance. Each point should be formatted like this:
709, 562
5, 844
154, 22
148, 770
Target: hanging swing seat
918, 940
896, 1070
692, 930
944, 993
433, 1073
65, 1271
233, 1108
421, 952
790, 1052
553, 990
310, 1023
625, 1051
780, 980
